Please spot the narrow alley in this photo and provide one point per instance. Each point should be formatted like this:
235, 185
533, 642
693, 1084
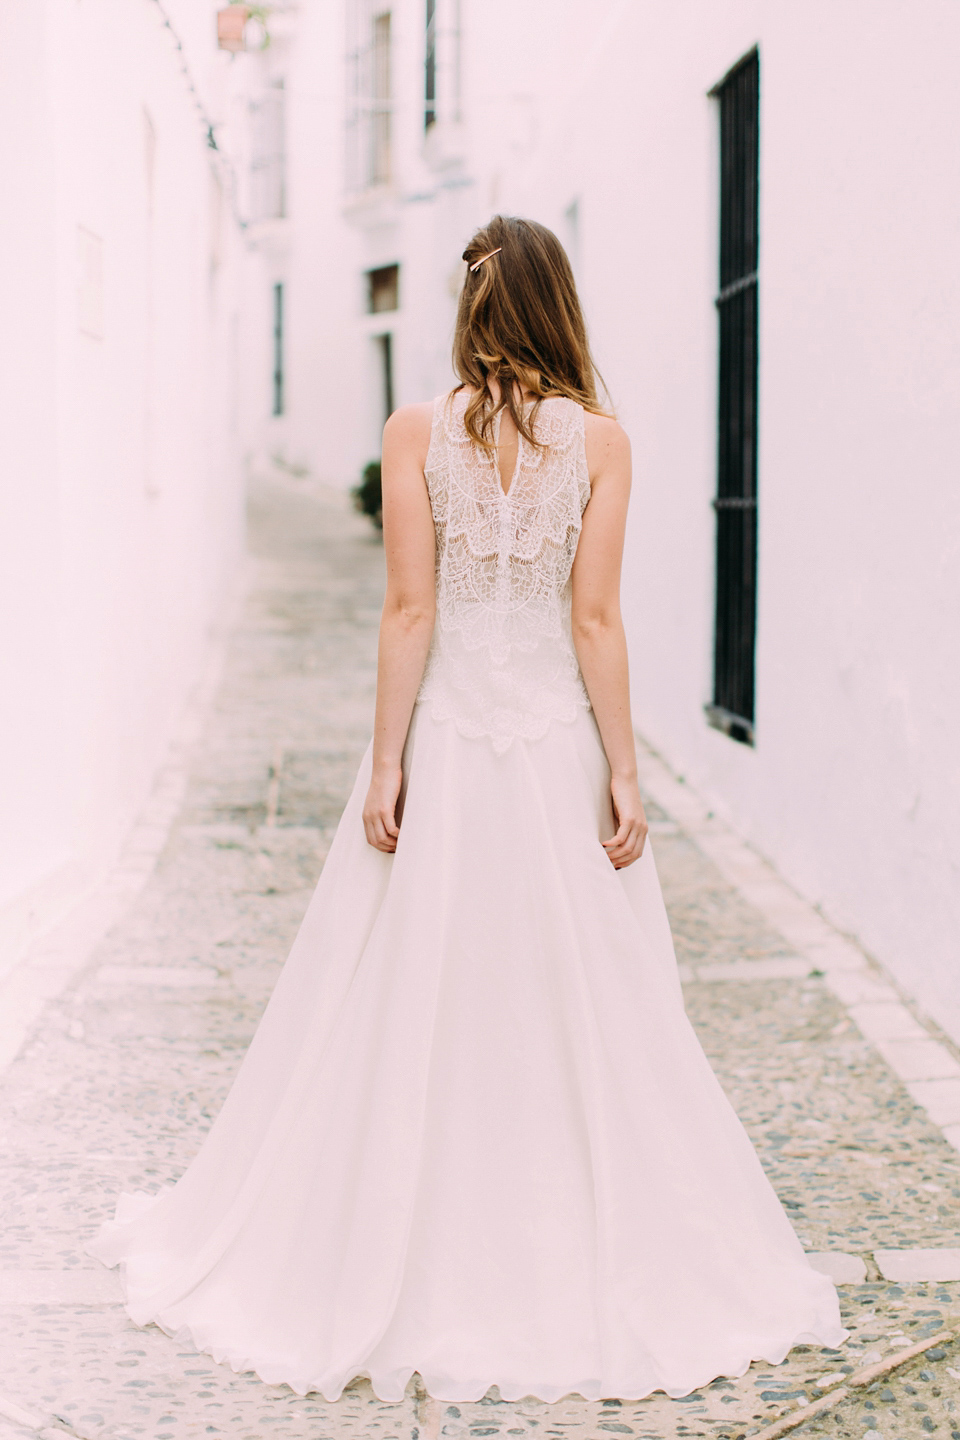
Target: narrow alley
122, 1069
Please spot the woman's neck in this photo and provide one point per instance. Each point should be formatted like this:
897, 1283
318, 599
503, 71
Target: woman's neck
525, 396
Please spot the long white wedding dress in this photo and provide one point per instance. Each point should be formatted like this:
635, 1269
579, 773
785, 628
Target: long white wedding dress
475, 1135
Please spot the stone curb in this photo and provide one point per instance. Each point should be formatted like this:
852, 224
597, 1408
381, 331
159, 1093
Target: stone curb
786, 1423
47, 1427
928, 1069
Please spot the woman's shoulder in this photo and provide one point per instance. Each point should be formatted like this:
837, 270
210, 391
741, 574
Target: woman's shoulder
604, 427
409, 426
411, 419
605, 439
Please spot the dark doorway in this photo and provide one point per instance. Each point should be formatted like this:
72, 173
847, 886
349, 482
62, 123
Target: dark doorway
385, 347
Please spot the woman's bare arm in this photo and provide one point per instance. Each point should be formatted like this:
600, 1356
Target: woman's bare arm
598, 628
409, 610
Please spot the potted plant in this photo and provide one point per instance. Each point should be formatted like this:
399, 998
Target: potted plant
368, 495
235, 33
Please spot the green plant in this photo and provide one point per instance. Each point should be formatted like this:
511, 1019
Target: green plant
368, 495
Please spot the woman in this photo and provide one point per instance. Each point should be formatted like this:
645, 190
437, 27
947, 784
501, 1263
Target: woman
475, 1135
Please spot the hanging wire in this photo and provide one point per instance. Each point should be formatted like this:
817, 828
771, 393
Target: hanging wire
208, 126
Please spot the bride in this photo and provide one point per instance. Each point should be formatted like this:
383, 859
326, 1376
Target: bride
475, 1135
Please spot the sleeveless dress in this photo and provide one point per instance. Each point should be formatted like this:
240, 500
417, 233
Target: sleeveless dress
475, 1135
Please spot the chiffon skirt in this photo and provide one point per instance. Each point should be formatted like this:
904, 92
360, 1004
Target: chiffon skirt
475, 1135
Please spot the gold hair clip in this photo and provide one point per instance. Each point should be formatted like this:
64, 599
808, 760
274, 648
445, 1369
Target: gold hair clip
477, 263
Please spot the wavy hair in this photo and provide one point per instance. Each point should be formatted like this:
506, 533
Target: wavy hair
519, 322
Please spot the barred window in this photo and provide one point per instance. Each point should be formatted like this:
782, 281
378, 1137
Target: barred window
369, 128
268, 200
735, 503
278, 357
430, 68
441, 66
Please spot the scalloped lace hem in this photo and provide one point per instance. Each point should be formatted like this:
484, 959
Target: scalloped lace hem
389, 1386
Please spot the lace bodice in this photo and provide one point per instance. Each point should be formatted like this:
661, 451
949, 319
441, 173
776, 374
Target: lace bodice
502, 662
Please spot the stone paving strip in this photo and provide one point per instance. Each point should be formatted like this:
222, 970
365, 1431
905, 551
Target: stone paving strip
870, 1376
123, 1028
930, 1067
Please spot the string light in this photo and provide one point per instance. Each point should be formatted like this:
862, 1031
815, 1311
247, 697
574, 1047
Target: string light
208, 126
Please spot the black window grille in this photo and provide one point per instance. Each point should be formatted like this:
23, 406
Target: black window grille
430, 68
736, 499
278, 377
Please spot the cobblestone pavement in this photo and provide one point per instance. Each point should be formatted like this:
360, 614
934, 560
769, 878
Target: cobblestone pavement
125, 1067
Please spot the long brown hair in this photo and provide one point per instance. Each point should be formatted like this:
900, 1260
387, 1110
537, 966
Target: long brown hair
519, 322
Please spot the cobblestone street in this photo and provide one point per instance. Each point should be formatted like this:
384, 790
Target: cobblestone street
121, 1071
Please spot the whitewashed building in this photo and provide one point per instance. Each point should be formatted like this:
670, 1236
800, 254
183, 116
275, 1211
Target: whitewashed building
123, 271
378, 199
792, 593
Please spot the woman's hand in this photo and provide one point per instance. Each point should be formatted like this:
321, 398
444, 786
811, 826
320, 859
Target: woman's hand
380, 807
627, 845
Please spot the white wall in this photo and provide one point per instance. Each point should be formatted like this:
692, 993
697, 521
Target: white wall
33, 834
120, 482
853, 787
323, 428
420, 219
308, 251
